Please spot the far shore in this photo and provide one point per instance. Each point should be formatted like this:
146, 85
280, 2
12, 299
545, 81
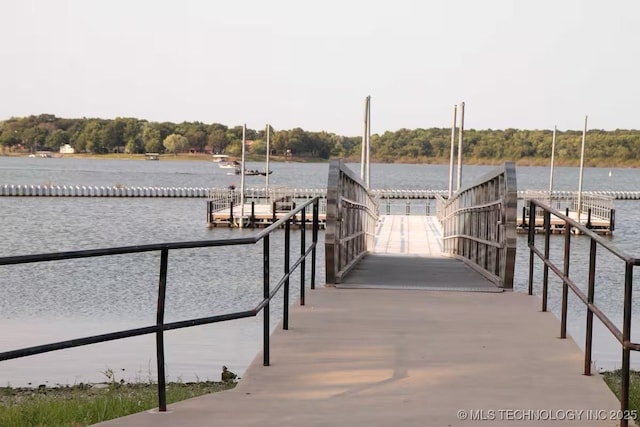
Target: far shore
604, 163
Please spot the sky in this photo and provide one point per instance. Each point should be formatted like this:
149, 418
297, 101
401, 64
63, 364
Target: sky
292, 63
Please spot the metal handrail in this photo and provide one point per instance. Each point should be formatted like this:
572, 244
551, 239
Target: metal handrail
623, 336
164, 248
352, 215
479, 225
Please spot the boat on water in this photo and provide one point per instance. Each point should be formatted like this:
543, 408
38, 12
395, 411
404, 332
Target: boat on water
253, 172
152, 156
224, 162
233, 164
250, 172
42, 154
220, 158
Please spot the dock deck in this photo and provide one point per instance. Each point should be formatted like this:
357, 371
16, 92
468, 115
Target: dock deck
390, 352
597, 224
261, 216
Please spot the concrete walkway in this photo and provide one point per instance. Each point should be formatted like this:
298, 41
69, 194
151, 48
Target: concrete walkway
392, 347
407, 358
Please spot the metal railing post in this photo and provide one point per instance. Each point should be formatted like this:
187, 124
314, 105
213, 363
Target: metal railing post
314, 238
590, 300
545, 271
303, 242
626, 339
532, 242
565, 286
162, 291
287, 251
265, 294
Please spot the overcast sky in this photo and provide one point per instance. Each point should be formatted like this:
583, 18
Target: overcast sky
294, 63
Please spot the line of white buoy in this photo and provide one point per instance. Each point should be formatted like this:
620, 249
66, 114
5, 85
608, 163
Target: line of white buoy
122, 191
100, 191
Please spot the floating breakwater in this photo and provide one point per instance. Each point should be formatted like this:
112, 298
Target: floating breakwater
100, 191
12, 190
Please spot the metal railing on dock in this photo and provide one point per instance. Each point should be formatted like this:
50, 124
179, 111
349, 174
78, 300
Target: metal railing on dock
479, 225
627, 263
262, 207
596, 211
352, 215
269, 292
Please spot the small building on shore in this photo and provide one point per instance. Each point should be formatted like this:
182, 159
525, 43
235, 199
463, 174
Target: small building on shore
67, 149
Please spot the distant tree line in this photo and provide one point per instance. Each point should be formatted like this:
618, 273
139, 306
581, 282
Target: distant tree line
135, 136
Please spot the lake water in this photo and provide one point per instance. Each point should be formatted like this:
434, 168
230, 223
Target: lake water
63, 300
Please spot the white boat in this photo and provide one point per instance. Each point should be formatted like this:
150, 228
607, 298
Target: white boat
233, 164
219, 158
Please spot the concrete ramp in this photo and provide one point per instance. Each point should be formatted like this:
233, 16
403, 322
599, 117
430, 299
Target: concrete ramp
415, 272
408, 255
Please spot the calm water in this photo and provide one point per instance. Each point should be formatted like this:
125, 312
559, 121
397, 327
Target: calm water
70, 299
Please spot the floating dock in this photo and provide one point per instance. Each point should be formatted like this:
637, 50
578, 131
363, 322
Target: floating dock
596, 212
258, 216
259, 207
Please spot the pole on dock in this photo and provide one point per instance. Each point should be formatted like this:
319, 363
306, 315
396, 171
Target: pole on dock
364, 142
453, 149
553, 151
244, 140
266, 185
584, 138
366, 135
368, 170
460, 133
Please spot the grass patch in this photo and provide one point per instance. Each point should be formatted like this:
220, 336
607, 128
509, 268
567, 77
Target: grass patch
614, 380
83, 405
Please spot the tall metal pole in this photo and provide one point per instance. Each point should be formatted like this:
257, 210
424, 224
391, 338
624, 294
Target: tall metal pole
553, 152
266, 185
364, 141
453, 149
584, 138
244, 140
460, 133
367, 169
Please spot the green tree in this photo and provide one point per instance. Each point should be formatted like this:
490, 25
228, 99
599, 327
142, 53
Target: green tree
34, 138
175, 143
92, 137
132, 136
218, 141
57, 139
112, 135
258, 148
151, 139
